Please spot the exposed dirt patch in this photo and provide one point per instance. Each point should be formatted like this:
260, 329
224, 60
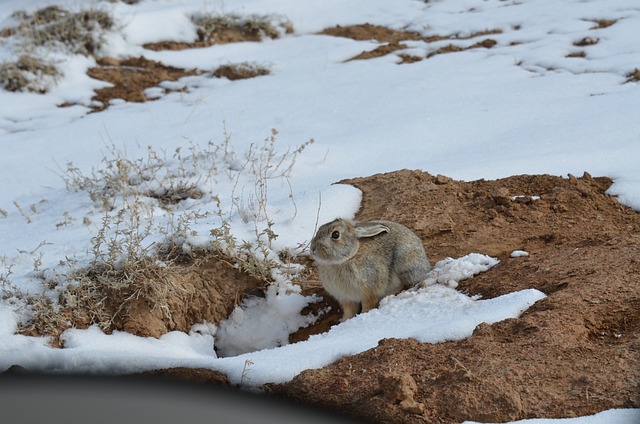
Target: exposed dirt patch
225, 29
634, 76
130, 78
487, 43
575, 353
231, 35
586, 41
579, 53
176, 297
380, 51
199, 375
603, 23
240, 71
393, 40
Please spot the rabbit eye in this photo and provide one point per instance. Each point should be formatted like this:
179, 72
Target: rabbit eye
335, 235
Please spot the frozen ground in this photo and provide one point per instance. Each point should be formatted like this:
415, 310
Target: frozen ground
520, 107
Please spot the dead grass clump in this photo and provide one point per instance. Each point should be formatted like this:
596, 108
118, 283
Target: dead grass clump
365, 32
452, 48
238, 71
229, 28
131, 77
380, 51
586, 41
634, 76
28, 73
408, 58
603, 23
79, 32
50, 28
579, 53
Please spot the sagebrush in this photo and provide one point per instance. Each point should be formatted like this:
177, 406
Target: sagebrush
135, 254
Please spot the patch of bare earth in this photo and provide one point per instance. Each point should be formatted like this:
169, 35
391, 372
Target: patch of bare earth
208, 293
392, 40
575, 353
175, 298
130, 77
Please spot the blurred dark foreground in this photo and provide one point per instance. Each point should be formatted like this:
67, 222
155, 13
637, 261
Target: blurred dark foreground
28, 398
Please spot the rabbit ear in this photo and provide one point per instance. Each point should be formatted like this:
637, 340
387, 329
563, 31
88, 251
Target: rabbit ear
369, 229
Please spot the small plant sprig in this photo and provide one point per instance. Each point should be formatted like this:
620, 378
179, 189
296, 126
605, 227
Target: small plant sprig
244, 378
8, 288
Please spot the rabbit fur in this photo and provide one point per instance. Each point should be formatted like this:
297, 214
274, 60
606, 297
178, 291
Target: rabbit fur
361, 262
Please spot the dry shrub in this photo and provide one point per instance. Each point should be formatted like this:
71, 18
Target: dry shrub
226, 28
634, 76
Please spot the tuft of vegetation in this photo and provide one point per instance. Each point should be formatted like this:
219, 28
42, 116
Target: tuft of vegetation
79, 32
634, 76
238, 71
51, 28
28, 73
225, 28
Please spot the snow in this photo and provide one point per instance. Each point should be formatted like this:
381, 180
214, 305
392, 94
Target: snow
520, 107
613, 416
519, 253
449, 271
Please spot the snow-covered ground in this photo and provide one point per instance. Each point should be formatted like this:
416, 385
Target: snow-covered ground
520, 107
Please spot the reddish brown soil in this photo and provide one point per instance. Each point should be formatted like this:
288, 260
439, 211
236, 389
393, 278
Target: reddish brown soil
130, 78
574, 353
392, 40
205, 292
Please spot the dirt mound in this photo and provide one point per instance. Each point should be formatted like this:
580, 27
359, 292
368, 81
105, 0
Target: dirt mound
151, 301
207, 292
575, 353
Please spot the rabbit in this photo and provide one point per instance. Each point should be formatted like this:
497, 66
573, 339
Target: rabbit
361, 262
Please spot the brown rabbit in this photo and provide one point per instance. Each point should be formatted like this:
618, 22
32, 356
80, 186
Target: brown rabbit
362, 262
